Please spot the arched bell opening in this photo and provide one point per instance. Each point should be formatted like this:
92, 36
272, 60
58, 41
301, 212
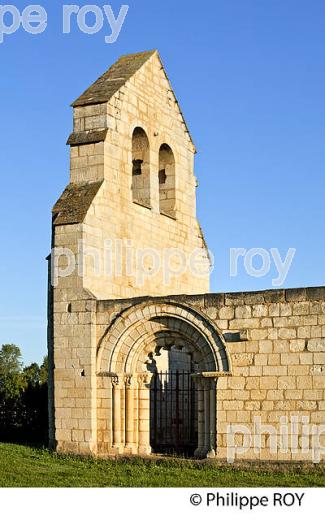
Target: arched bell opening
167, 181
140, 167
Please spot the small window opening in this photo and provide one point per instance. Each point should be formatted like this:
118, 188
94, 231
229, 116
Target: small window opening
162, 176
137, 167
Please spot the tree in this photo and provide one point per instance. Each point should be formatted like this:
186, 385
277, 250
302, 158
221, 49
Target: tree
23, 397
32, 375
44, 372
11, 380
35, 375
11, 388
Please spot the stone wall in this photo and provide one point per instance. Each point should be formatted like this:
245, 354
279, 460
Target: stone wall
275, 343
278, 371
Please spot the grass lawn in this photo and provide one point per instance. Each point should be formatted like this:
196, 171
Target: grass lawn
23, 466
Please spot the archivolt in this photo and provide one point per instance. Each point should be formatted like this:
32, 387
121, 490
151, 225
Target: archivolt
142, 329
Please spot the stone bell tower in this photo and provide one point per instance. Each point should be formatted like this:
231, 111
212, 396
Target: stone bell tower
130, 209
124, 227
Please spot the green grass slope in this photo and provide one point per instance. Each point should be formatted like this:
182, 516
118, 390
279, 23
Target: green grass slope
22, 466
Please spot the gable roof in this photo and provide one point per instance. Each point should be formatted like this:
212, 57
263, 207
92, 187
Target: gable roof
117, 75
111, 81
72, 206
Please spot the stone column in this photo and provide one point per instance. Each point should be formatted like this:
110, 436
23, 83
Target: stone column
206, 386
136, 415
129, 413
144, 413
212, 439
116, 412
199, 452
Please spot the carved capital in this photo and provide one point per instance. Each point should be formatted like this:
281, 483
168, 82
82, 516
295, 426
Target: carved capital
144, 379
115, 380
129, 380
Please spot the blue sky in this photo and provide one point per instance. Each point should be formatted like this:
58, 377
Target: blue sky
250, 77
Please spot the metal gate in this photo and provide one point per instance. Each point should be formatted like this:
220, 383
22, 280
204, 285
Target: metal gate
173, 413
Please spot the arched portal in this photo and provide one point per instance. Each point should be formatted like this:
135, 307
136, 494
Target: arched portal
147, 344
